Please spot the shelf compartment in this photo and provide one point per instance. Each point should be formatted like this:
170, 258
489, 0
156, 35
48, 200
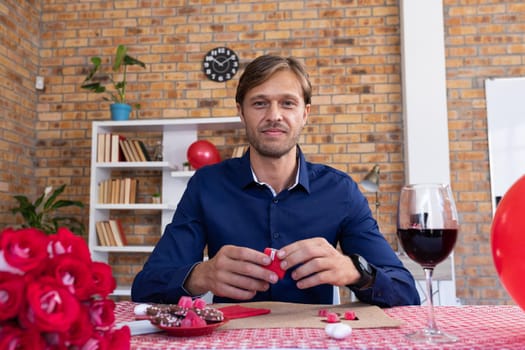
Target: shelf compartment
136, 165
182, 174
135, 206
123, 249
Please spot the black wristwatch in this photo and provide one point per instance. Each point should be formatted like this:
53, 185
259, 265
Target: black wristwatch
366, 271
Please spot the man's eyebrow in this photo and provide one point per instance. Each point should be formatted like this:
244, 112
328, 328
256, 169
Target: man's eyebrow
265, 96
259, 96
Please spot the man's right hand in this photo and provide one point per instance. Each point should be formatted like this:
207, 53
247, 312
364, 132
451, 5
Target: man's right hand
234, 272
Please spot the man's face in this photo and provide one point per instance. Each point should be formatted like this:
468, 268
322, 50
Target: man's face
274, 114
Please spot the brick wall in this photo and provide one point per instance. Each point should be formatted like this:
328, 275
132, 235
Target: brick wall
19, 61
351, 50
484, 39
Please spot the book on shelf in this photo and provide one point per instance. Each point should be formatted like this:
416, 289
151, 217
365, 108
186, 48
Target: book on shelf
133, 150
126, 191
110, 233
144, 150
111, 239
101, 141
116, 148
238, 151
107, 147
117, 154
126, 150
102, 192
118, 236
117, 191
129, 150
122, 233
133, 191
141, 151
114, 191
101, 233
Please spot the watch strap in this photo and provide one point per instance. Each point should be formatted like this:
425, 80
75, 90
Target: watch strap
366, 271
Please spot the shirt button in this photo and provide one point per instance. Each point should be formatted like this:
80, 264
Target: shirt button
276, 201
275, 235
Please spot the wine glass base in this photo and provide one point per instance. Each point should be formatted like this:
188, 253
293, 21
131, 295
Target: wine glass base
432, 336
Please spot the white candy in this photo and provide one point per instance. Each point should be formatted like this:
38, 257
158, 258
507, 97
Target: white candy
140, 309
338, 330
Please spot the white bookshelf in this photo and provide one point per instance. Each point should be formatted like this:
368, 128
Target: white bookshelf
177, 135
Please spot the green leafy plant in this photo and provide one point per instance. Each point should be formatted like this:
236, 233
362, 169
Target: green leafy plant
155, 198
100, 82
41, 213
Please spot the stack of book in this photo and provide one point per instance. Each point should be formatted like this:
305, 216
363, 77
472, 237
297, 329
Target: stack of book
117, 148
117, 191
110, 233
238, 151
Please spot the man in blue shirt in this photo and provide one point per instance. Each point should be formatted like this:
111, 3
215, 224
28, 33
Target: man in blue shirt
272, 197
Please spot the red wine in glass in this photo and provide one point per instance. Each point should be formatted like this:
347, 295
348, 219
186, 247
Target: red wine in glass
428, 247
427, 228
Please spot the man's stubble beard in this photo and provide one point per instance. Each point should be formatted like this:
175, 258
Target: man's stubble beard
272, 149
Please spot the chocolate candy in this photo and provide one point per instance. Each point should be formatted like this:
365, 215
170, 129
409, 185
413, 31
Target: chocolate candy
171, 315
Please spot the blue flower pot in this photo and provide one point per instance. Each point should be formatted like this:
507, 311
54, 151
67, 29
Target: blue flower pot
120, 111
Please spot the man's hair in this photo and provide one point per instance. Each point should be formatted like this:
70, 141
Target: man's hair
263, 67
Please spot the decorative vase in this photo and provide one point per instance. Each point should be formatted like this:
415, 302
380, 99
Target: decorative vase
120, 111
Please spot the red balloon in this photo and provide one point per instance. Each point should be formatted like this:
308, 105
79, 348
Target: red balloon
201, 153
508, 241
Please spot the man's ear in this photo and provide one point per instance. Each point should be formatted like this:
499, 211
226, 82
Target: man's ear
306, 113
239, 112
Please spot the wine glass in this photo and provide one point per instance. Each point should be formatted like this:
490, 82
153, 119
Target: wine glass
427, 227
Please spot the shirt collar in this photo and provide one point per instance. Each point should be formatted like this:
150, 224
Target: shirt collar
301, 177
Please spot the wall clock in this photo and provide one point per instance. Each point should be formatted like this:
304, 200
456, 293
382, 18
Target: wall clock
220, 64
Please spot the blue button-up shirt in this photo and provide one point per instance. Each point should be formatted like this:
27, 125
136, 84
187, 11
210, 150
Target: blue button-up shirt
222, 204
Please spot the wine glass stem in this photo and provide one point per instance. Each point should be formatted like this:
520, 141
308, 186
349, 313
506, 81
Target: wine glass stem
432, 326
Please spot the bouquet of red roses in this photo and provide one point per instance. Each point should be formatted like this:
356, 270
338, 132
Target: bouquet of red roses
53, 296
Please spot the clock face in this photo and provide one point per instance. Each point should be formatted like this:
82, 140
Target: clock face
220, 64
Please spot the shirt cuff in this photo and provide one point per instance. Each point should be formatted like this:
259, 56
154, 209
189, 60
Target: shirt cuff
190, 270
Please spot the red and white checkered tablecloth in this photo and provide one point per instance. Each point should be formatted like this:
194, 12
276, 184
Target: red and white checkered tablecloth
478, 327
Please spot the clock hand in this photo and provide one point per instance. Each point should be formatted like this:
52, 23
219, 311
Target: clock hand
226, 60
218, 62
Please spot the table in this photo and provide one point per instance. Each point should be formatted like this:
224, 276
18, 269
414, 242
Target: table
479, 327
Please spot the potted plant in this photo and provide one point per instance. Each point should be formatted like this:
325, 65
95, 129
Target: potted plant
113, 87
41, 213
155, 198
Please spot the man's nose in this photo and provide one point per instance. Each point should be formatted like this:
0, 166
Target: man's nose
274, 112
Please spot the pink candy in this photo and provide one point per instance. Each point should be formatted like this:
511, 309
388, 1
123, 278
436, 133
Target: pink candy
322, 312
187, 303
349, 315
332, 317
192, 319
199, 303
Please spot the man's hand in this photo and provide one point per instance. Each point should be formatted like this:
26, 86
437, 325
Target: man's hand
234, 272
318, 263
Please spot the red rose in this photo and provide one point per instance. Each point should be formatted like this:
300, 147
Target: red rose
11, 295
73, 274
50, 307
120, 339
66, 242
103, 280
16, 338
23, 250
102, 314
53, 295
81, 329
97, 341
